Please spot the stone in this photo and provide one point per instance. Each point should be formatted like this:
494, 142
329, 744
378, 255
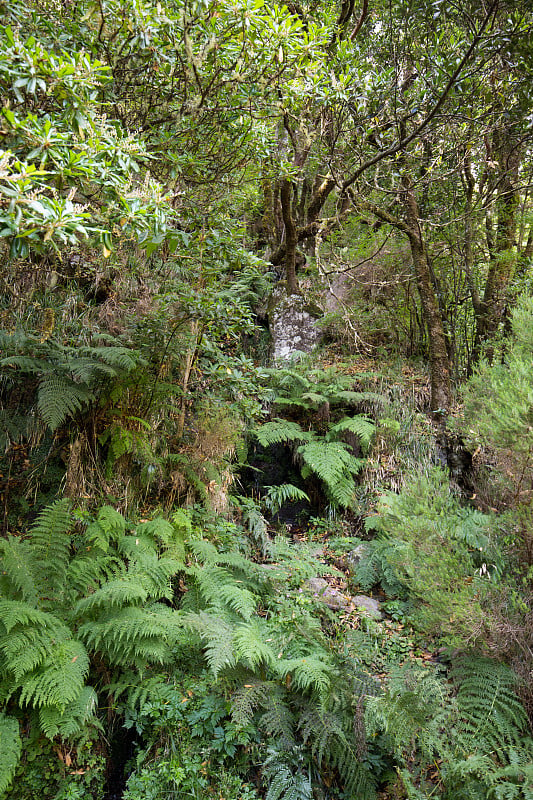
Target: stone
329, 596
368, 605
352, 559
292, 326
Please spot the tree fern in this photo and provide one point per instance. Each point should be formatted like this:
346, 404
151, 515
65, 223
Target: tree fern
10, 750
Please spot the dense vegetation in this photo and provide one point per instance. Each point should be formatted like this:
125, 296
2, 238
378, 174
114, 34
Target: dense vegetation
187, 528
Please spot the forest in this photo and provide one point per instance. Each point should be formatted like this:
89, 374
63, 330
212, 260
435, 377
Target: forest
266, 400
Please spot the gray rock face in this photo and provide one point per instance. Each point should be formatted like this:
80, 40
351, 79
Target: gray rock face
368, 605
353, 558
330, 596
293, 327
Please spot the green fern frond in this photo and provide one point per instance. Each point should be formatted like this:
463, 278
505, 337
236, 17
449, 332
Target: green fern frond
10, 750
492, 716
281, 431
307, 672
363, 428
88, 570
240, 600
16, 569
138, 636
251, 645
334, 465
277, 496
30, 636
217, 635
60, 398
116, 593
69, 721
278, 720
284, 783
246, 700
108, 527
50, 539
60, 679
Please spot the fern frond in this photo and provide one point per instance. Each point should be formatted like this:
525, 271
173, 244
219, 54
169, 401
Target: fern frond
108, 527
51, 541
277, 720
277, 496
60, 679
281, 431
246, 700
363, 428
73, 718
250, 644
217, 636
10, 750
30, 636
334, 465
138, 636
307, 672
285, 783
60, 398
16, 569
114, 593
240, 600
493, 719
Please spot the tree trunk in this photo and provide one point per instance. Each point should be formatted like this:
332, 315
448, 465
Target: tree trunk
502, 242
439, 363
290, 237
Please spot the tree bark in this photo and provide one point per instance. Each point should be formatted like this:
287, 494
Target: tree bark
291, 237
439, 363
501, 243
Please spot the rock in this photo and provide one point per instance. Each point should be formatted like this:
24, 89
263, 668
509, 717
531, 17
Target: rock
352, 559
331, 597
316, 585
369, 604
292, 326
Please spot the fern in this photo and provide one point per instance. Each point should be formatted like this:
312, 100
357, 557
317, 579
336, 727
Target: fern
492, 716
281, 431
60, 678
217, 635
51, 543
285, 782
133, 635
277, 720
334, 465
16, 569
60, 398
251, 645
277, 496
363, 427
307, 672
246, 700
73, 718
10, 750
